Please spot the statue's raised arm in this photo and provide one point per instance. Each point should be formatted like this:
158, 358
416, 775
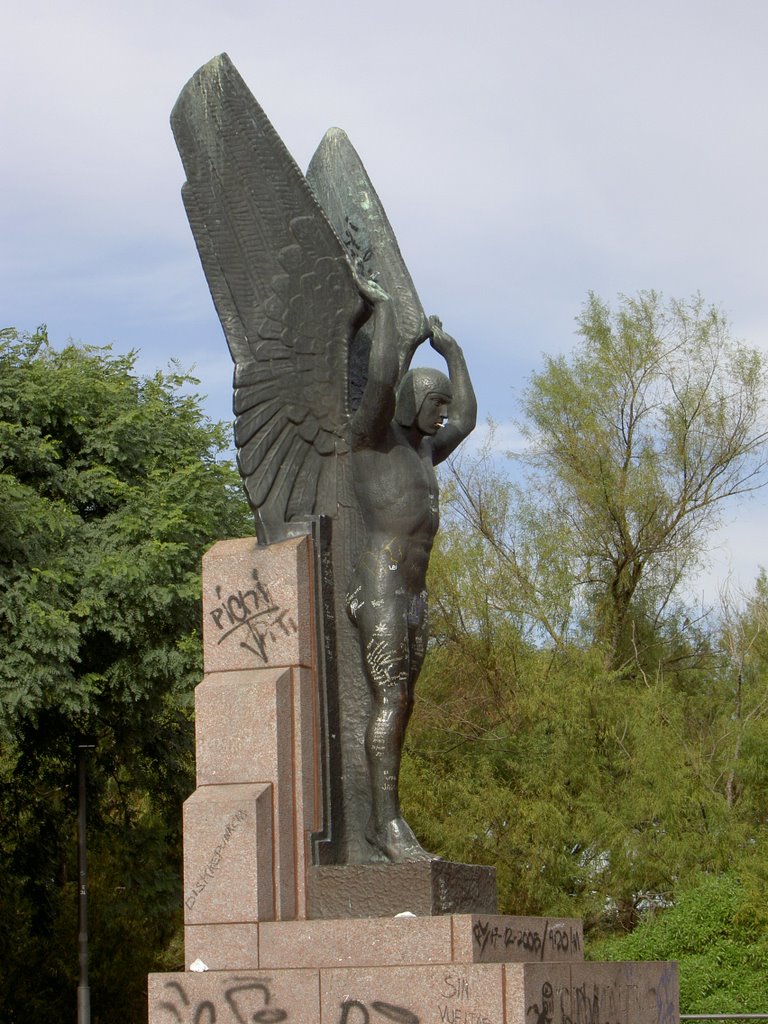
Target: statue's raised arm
462, 411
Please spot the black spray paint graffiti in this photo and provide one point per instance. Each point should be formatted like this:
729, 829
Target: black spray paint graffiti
545, 1013
354, 1012
460, 1015
605, 1004
666, 1003
252, 617
456, 994
249, 1001
586, 1005
214, 860
557, 938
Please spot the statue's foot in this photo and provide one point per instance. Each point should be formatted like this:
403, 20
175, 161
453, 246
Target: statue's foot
395, 838
362, 852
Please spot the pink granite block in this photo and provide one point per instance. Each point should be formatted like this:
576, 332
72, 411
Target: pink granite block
222, 947
261, 726
243, 726
307, 746
538, 992
445, 994
228, 855
625, 993
244, 734
620, 993
257, 605
225, 997
494, 939
355, 942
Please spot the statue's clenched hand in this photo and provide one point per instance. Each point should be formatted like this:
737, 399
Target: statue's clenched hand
440, 341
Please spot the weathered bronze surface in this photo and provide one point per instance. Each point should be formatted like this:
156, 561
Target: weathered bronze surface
334, 433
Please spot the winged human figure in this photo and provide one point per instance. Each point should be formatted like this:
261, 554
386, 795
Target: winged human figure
322, 320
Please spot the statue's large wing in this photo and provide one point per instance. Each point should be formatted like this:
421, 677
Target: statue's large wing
284, 291
344, 190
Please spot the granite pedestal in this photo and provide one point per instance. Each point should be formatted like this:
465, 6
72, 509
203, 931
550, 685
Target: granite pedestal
272, 936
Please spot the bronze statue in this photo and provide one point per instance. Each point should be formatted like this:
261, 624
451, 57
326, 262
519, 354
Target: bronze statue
397, 439
322, 320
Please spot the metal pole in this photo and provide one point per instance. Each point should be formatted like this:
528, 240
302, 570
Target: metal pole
83, 991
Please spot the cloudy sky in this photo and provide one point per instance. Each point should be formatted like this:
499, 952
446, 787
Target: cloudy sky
527, 151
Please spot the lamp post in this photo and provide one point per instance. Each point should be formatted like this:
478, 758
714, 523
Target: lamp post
83, 991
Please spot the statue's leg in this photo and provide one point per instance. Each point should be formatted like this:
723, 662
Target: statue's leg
418, 634
384, 641
386, 644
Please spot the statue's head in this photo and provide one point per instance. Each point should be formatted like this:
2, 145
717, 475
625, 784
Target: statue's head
416, 386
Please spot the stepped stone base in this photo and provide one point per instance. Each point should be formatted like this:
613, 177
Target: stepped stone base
273, 937
448, 993
383, 890
385, 942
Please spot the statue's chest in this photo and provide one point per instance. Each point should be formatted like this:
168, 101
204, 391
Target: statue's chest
400, 478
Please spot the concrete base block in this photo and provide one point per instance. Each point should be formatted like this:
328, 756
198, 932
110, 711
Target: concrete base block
383, 890
228, 855
586, 993
446, 994
260, 726
379, 942
222, 947
257, 605
355, 943
590, 993
224, 997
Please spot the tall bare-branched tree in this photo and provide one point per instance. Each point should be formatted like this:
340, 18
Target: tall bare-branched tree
635, 442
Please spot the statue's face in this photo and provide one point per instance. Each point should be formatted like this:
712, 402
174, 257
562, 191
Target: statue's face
433, 413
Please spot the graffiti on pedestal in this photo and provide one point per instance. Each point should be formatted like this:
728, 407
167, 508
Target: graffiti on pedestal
545, 1013
548, 941
251, 1000
247, 1001
213, 862
355, 1012
630, 997
251, 618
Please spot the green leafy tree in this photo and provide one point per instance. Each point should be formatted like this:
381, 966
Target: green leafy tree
111, 487
577, 725
716, 931
742, 712
636, 441
592, 792
639, 438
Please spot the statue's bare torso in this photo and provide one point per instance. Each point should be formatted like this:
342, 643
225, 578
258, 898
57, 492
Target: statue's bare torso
398, 495
393, 460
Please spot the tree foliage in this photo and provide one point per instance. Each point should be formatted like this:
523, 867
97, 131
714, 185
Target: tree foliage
718, 932
578, 723
593, 791
655, 420
111, 487
635, 442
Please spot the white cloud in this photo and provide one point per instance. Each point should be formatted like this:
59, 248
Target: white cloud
525, 152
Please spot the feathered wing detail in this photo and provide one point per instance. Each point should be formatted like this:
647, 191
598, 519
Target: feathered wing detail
344, 190
284, 291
